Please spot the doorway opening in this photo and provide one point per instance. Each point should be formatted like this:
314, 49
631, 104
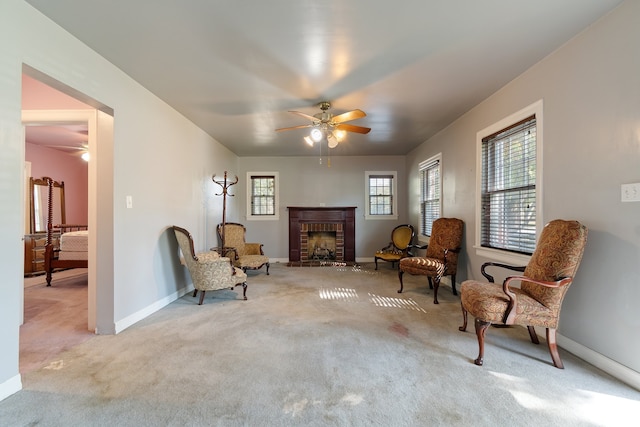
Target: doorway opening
67, 118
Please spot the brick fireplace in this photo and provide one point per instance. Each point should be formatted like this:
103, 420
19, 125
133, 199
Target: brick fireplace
306, 220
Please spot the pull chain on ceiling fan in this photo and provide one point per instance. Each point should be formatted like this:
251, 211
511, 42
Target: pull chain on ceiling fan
326, 125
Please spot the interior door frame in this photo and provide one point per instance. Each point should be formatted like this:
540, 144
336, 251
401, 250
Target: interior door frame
100, 128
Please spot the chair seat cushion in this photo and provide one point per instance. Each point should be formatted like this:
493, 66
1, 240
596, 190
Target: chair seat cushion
488, 302
422, 266
389, 256
252, 261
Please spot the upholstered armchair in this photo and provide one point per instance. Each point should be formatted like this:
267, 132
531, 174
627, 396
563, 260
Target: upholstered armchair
543, 285
441, 258
399, 247
209, 271
246, 256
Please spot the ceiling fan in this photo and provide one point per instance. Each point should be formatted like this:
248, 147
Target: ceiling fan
326, 125
82, 150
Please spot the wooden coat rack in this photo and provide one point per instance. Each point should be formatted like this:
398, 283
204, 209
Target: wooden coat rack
225, 192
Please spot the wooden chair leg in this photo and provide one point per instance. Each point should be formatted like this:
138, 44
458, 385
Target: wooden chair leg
533, 335
267, 270
201, 298
195, 292
436, 285
463, 328
453, 284
400, 273
553, 348
481, 329
430, 282
244, 290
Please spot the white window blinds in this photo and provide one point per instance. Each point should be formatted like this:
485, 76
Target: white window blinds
429, 194
509, 188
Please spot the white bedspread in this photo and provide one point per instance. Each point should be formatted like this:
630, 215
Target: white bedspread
74, 241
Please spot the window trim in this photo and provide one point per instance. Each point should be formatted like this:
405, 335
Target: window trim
394, 194
423, 166
497, 254
276, 201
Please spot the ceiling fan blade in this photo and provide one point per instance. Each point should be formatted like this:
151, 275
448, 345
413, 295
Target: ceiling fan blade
353, 128
349, 115
294, 127
306, 116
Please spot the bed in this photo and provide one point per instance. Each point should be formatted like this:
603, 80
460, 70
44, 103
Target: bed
72, 251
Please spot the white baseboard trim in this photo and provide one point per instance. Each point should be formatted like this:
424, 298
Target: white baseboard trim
123, 324
613, 368
11, 386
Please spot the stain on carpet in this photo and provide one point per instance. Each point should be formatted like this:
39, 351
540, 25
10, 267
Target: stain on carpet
399, 329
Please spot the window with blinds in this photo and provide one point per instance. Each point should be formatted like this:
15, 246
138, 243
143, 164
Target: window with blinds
508, 188
430, 206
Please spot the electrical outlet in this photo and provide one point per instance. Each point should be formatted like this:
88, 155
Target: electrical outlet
630, 192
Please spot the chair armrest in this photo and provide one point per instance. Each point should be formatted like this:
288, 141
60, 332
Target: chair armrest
229, 252
253, 249
497, 264
389, 247
414, 246
510, 314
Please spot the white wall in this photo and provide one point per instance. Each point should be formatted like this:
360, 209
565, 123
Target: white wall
159, 158
306, 182
591, 93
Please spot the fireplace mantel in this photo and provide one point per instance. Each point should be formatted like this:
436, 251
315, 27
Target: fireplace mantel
344, 216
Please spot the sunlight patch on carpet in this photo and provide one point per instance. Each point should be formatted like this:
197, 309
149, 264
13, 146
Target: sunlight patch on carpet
340, 294
407, 304
353, 399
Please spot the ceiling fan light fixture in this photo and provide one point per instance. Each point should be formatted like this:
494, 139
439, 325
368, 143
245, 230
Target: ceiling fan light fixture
332, 142
339, 134
308, 140
316, 134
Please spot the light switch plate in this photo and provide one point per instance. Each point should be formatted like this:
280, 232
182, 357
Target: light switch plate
129, 202
630, 192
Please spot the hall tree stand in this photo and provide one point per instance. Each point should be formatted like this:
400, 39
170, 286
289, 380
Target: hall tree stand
225, 192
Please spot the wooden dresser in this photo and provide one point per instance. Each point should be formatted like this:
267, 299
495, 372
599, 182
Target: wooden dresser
34, 252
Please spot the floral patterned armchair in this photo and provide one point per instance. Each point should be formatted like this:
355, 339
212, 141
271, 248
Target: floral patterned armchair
544, 283
246, 256
209, 271
399, 247
441, 258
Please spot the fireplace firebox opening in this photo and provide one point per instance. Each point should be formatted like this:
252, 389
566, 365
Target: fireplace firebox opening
322, 245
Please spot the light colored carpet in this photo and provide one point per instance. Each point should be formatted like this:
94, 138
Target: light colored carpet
55, 317
321, 346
